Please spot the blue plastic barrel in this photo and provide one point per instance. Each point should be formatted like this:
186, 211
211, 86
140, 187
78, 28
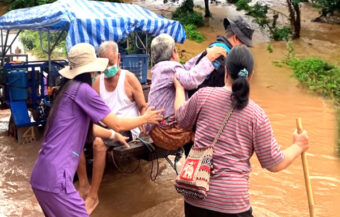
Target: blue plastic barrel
17, 83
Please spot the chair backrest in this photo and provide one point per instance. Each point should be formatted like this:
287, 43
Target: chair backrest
20, 113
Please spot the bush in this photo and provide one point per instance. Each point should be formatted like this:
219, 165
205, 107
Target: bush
186, 14
280, 34
243, 5
258, 11
270, 48
193, 34
318, 75
187, 18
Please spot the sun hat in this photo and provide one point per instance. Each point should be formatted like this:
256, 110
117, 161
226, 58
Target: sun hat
241, 29
82, 59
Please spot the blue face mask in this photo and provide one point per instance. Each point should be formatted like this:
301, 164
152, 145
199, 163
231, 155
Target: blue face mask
93, 79
111, 71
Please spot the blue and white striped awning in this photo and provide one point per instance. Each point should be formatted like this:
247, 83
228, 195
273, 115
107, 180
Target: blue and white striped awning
92, 21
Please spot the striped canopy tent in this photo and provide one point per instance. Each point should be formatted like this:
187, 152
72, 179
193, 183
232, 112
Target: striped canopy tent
92, 21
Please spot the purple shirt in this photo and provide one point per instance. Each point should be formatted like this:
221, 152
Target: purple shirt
162, 92
61, 148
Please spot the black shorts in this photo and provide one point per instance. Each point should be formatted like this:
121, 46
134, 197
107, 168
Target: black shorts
114, 143
194, 211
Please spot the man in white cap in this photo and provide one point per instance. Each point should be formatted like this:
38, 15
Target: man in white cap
237, 32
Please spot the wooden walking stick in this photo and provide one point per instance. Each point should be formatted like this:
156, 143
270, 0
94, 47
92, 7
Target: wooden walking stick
306, 173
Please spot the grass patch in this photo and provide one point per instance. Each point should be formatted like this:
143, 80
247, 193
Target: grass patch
193, 34
319, 76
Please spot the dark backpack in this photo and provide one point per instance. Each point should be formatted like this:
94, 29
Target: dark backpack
216, 78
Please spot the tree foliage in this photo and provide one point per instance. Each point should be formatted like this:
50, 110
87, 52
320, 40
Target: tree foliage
16, 4
186, 14
328, 6
31, 41
259, 12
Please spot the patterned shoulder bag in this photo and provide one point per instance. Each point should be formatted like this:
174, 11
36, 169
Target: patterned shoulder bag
193, 179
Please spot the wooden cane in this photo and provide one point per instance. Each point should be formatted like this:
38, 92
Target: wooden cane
306, 173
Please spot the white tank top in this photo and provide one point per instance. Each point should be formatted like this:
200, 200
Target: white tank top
118, 101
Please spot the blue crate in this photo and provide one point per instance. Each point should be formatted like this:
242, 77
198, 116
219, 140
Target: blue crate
136, 63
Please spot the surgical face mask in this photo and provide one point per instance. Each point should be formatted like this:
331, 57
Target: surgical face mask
111, 71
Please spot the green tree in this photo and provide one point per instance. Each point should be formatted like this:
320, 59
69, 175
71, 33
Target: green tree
328, 6
16, 4
295, 16
31, 41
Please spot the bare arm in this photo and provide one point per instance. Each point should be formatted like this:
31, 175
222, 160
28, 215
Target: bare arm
137, 92
180, 94
300, 144
150, 116
102, 132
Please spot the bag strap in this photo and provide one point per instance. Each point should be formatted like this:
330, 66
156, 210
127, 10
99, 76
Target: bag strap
223, 125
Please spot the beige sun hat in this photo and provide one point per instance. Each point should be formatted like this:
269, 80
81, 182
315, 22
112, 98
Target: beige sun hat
82, 58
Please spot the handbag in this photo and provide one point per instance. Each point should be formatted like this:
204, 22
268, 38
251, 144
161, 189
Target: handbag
168, 135
193, 179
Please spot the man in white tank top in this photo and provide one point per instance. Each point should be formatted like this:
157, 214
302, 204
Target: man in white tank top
123, 93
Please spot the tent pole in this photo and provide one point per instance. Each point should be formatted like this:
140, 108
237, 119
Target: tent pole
2, 49
13, 40
49, 60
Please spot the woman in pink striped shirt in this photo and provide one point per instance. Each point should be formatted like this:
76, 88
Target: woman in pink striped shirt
248, 130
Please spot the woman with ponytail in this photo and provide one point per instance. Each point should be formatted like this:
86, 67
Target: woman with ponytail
248, 130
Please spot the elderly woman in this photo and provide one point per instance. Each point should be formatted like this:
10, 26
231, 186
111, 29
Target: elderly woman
69, 124
248, 130
162, 92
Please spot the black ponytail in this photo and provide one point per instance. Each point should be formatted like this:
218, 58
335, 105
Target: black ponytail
239, 64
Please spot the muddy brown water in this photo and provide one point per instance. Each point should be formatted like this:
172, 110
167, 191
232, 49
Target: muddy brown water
272, 194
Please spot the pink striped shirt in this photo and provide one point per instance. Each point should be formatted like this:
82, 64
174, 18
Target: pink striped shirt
247, 131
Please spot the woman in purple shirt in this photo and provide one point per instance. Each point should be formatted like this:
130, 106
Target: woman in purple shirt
76, 107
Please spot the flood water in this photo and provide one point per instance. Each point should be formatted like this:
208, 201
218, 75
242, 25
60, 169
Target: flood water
282, 98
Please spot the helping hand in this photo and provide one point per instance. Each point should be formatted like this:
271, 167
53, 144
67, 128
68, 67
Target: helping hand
215, 52
153, 116
120, 138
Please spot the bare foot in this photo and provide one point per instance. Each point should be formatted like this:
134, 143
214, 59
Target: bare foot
91, 203
83, 191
